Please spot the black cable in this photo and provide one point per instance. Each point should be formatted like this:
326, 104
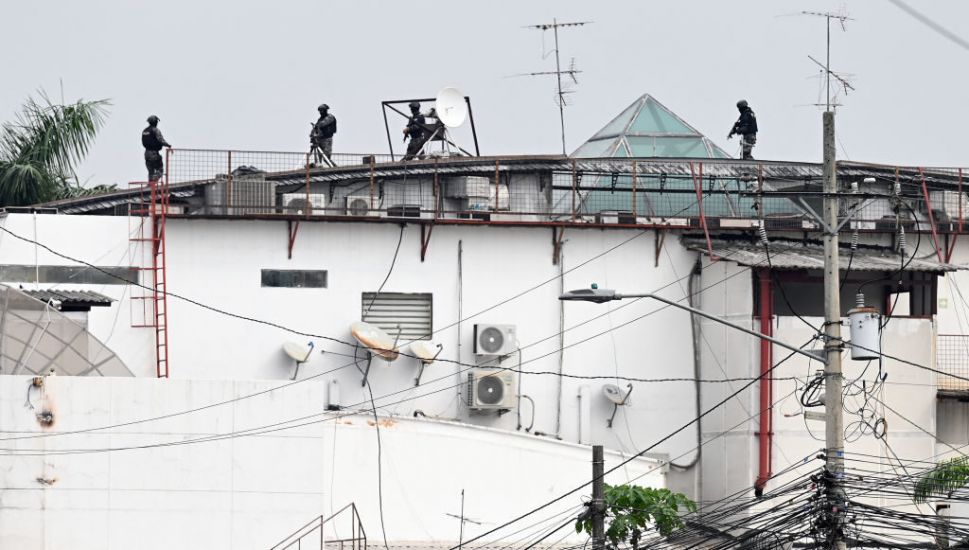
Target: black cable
393, 262
373, 405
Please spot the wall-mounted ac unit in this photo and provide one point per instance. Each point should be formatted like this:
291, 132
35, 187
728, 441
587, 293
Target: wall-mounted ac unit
490, 389
359, 205
495, 340
296, 203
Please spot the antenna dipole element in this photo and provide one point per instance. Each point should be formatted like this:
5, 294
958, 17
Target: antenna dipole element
554, 26
841, 17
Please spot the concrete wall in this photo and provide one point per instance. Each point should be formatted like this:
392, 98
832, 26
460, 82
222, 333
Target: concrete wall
250, 492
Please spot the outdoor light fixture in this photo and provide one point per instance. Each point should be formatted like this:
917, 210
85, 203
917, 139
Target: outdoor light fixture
598, 295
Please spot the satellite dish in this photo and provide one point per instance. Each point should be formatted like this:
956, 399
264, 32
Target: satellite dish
452, 109
617, 396
300, 353
614, 394
425, 350
376, 340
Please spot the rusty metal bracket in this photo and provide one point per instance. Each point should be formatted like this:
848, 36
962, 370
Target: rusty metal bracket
292, 228
426, 230
698, 186
928, 208
557, 234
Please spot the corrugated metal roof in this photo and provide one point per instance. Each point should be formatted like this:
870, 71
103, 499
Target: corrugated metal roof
72, 297
800, 255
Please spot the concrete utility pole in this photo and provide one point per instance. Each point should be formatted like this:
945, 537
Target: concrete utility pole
598, 500
834, 411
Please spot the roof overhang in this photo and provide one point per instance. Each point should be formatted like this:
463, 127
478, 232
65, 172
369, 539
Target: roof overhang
794, 255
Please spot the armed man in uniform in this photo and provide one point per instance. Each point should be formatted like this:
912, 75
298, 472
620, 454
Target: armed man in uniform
153, 141
415, 130
746, 127
321, 137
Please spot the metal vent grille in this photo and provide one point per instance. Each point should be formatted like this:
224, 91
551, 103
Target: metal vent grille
411, 312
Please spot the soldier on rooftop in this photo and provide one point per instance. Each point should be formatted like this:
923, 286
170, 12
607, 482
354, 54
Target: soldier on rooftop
153, 141
746, 126
415, 131
321, 137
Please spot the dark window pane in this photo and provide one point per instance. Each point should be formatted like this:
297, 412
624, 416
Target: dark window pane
294, 278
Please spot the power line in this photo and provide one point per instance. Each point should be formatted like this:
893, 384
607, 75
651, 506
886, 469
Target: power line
922, 18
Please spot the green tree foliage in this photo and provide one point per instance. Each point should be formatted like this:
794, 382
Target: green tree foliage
40, 148
943, 479
631, 510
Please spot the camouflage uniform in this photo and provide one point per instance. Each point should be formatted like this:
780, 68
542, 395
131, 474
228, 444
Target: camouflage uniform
746, 126
321, 138
153, 141
416, 133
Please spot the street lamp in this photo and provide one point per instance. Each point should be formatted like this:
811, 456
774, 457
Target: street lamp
598, 295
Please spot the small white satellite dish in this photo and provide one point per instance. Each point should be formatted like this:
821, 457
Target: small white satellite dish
376, 340
425, 350
300, 353
452, 109
614, 394
617, 396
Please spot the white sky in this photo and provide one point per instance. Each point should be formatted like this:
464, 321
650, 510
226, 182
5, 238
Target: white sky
245, 74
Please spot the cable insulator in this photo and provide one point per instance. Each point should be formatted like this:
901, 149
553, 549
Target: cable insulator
762, 231
854, 240
902, 245
898, 188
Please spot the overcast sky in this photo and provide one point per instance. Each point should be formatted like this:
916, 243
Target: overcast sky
248, 74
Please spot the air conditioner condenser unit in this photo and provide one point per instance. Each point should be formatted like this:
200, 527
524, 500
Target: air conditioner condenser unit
491, 390
495, 340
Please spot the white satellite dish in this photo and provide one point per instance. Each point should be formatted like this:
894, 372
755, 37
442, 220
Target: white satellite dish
452, 109
617, 396
376, 340
426, 352
614, 394
300, 353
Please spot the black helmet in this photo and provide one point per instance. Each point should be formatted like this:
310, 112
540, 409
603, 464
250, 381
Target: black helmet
323, 107
152, 119
414, 105
742, 104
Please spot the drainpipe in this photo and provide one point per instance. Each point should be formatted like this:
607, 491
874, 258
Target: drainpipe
765, 433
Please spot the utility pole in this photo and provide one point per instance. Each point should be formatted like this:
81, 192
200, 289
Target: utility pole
598, 500
554, 25
833, 398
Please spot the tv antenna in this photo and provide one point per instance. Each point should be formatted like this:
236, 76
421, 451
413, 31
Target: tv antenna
841, 17
558, 72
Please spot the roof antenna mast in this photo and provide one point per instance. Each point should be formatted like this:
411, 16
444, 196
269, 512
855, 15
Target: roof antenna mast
558, 72
826, 66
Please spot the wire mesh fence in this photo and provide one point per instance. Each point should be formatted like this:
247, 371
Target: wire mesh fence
952, 357
714, 194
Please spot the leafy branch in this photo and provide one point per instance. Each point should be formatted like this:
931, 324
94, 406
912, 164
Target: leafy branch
631, 510
943, 479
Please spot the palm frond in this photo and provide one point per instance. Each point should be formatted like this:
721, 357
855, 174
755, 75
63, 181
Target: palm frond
943, 479
40, 148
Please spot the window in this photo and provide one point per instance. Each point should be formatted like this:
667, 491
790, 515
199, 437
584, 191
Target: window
70, 274
409, 314
294, 278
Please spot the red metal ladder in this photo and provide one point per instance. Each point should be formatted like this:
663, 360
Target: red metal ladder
146, 233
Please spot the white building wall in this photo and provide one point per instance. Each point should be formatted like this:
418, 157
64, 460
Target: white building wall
507, 276
730, 459
250, 492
